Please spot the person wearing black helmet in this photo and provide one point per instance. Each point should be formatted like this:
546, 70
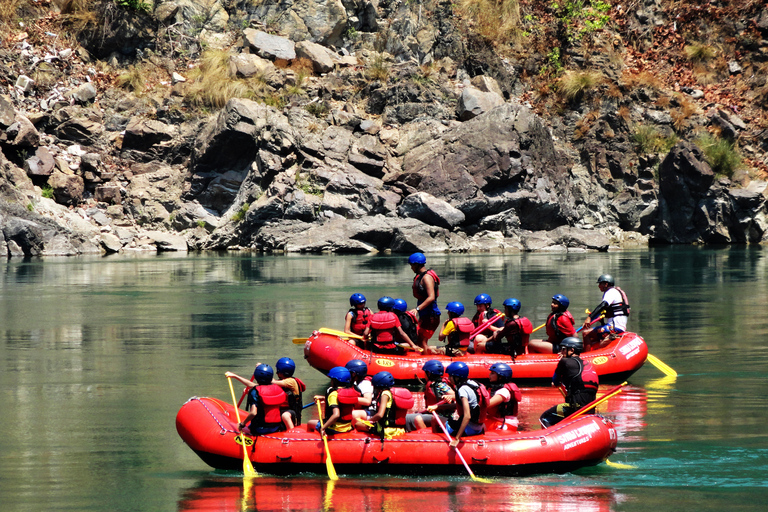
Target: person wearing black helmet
471, 404
615, 307
560, 325
426, 289
505, 396
577, 377
456, 331
358, 317
485, 311
266, 402
517, 330
340, 400
385, 330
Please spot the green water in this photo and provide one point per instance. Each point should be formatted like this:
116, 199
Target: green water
97, 356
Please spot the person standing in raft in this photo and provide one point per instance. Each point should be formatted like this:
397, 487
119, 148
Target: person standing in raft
438, 392
615, 307
456, 331
577, 377
340, 400
560, 325
358, 317
517, 331
471, 405
485, 312
392, 404
505, 397
426, 289
408, 320
385, 330
266, 402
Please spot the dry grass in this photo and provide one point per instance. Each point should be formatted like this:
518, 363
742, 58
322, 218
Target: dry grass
574, 85
699, 53
79, 15
662, 101
378, 68
644, 80
9, 11
497, 21
213, 85
624, 113
133, 79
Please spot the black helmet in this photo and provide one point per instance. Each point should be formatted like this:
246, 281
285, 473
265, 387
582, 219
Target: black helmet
572, 342
606, 278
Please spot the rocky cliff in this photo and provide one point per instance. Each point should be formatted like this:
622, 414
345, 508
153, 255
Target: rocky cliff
364, 125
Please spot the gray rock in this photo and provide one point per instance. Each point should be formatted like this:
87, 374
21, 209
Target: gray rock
67, 188
269, 46
21, 133
79, 129
307, 20
82, 93
110, 243
474, 102
142, 133
248, 65
431, 210
167, 241
318, 55
109, 194
7, 113
734, 68
41, 163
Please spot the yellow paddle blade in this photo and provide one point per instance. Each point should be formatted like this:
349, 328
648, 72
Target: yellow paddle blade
481, 479
299, 341
658, 363
618, 465
248, 471
328, 462
340, 334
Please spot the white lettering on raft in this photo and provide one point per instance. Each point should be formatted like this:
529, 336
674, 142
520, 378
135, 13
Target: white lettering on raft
631, 349
578, 436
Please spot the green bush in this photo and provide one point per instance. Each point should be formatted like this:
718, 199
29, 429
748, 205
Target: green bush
47, 192
649, 140
720, 154
240, 214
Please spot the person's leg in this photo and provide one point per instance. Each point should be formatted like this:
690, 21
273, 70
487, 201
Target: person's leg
288, 420
540, 347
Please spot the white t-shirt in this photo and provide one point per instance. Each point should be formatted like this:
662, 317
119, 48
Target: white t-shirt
610, 297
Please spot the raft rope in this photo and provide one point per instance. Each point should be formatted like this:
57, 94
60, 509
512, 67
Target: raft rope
357, 440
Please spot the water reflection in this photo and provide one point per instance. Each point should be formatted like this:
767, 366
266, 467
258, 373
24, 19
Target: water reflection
390, 495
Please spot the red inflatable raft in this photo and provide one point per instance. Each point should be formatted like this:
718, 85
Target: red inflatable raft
613, 363
209, 427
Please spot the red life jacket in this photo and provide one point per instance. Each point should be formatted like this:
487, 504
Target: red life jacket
383, 329
419, 290
272, 399
294, 400
589, 378
459, 338
430, 396
360, 320
554, 333
402, 401
479, 413
347, 399
481, 317
522, 337
507, 408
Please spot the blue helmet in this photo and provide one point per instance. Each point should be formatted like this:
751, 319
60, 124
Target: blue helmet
357, 367
483, 298
513, 303
418, 258
458, 369
457, 308
433, 367
341, 374
356, 298
263, 374
383, 380
502, 370
286, 366
400, 305
562, 300
386, 303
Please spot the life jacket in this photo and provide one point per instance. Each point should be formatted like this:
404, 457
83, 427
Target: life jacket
402, 401
621, 308
508, 408
419, 290
584, 385
295, 402
519, 340
408, 322
479, 413
481, 317
554, 333
360, 320
430, 394
347, 399
459, 338
383, 329
272, 400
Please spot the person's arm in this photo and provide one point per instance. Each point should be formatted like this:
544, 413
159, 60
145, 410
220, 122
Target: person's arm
251, 414
383, 401
496, 400
348, 323
335, 415
405, 338
246, 382
289, 383
464, 421
566, 325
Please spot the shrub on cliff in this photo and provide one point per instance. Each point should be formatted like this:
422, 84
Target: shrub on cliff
721, 154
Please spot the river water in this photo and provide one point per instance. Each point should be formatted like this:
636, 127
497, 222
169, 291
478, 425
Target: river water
98, 354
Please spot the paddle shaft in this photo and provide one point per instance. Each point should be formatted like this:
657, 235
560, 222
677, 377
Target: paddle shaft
483, 326
590, 323
248, 470
663, 368
448, 437
539, 327
598, 401
245, 391
328, 462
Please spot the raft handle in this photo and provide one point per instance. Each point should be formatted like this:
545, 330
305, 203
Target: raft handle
380, 461
475, 459
284, 459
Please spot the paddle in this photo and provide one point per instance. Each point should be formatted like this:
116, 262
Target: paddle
248, 471
299, 341
244, 393
483, 326
590, 323
328, 462
613, 392
461, 457
666, 370
340, 334
539, 327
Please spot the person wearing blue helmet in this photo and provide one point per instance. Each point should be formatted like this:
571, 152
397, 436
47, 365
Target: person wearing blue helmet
358, 317
293, 387
456, 331
340, 402
437, 392
385, 330
426, 289
362, 383
471, 404
560, 325
408, 320
391, 403
505, 397
517, 331
485, 311
265, 404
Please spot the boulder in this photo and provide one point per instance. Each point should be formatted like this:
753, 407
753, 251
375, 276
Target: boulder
248, 65
143, 133
110, 243
430, 210
268, 46
167, 241
7, 113
41, 163
320, 56
474, 102
82, 93
21, 133
307, 20
79, 129
67, 188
